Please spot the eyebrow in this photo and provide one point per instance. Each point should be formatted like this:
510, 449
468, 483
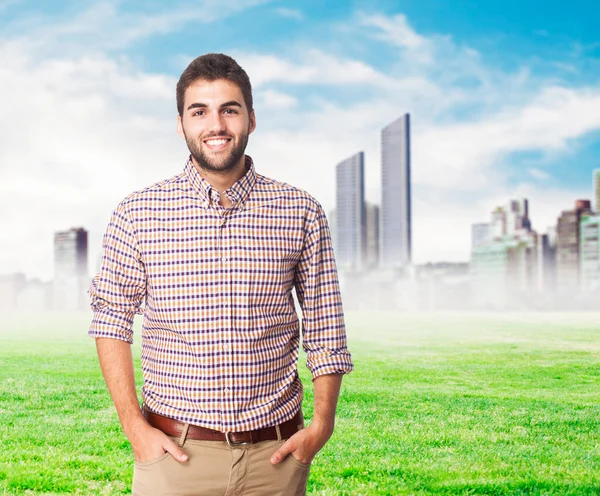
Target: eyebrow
231, 103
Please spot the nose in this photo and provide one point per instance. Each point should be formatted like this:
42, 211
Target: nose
216, 123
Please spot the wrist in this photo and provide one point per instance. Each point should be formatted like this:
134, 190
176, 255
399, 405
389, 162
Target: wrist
134, 426
323, 427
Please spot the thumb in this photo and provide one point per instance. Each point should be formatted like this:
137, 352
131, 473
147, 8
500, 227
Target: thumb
282, 452
175, 451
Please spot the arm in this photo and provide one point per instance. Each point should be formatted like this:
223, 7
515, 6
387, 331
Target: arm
323, 338
117, 293
305, 444
116, 363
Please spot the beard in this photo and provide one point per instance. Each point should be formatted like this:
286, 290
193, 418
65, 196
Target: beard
221, 164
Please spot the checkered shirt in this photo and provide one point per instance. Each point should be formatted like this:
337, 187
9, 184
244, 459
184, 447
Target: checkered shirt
220, 333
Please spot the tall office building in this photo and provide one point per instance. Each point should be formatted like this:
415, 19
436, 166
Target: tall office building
372, 235
596, 179
71, 279
396, 230
568, 245
589, 253
517, 216
546, 262
350, 228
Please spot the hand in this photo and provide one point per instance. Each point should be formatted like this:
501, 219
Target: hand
149, 443
305, 444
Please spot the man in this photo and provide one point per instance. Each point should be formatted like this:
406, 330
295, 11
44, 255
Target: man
214, 252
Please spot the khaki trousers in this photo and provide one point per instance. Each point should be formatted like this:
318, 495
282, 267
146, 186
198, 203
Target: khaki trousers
214, 468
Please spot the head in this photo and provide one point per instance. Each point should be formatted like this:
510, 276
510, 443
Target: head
214, 103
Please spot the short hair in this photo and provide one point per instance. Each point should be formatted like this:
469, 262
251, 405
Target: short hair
211, 67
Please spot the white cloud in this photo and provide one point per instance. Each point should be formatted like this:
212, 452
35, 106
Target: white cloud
538, 174
105, 26
77, 139
394, 30
275, 99
313, 67
294, 14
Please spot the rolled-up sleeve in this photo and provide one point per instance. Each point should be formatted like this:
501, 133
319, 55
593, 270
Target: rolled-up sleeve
119, 289
318, 292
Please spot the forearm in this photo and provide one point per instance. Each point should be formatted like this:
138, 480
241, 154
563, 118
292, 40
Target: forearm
116, 362
326, 393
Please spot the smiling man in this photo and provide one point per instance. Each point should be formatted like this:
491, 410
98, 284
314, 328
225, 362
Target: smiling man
214, 253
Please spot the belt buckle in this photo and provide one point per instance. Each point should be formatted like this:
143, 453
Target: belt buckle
231, 444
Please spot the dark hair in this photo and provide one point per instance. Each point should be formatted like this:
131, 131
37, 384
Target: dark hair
211, 67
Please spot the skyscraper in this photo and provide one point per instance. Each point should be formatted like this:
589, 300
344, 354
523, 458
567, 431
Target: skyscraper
589, 252
517, 216
396, 232
372, 236
546, 262
70, 269
350, 228
596, 176
568, 245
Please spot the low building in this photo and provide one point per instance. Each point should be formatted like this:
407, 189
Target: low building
504, 270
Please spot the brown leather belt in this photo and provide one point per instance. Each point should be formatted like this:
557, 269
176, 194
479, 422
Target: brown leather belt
176, 428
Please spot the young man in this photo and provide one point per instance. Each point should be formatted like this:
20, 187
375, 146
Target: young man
214, 252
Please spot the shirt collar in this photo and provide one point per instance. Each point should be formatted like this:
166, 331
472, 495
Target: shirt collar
237, 193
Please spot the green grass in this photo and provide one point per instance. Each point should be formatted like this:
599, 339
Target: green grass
443, 404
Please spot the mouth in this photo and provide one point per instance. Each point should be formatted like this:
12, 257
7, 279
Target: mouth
217, 144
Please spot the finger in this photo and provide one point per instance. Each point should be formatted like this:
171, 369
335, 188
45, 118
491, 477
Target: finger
282, 452
175, 451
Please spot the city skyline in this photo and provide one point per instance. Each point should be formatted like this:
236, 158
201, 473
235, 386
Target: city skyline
511, 265
508, 105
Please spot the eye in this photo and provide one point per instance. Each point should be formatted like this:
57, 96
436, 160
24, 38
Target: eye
197, 112
230, 111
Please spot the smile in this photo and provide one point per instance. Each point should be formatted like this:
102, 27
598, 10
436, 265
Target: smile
217, 143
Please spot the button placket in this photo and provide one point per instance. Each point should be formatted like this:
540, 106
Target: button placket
228, 309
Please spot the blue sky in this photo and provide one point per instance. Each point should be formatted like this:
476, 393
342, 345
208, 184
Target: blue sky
504, 98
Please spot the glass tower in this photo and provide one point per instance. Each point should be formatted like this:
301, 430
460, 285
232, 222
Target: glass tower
396, 232
350, 229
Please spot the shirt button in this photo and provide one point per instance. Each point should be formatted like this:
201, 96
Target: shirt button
224, 259
225, 347
226, 390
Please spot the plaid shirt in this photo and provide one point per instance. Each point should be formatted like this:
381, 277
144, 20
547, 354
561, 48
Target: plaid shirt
220, 333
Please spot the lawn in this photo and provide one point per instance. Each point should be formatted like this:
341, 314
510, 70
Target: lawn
438, 404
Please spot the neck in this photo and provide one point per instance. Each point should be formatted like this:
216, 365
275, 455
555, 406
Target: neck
222, 181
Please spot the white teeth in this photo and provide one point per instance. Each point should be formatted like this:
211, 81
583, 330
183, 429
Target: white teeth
216, 142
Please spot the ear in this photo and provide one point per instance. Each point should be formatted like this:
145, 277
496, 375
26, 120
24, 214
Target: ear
252, 126
180, 127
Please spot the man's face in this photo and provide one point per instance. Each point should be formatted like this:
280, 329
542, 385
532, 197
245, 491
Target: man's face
215, 124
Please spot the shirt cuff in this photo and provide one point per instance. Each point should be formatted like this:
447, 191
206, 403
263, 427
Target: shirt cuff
330, 363
108, 323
